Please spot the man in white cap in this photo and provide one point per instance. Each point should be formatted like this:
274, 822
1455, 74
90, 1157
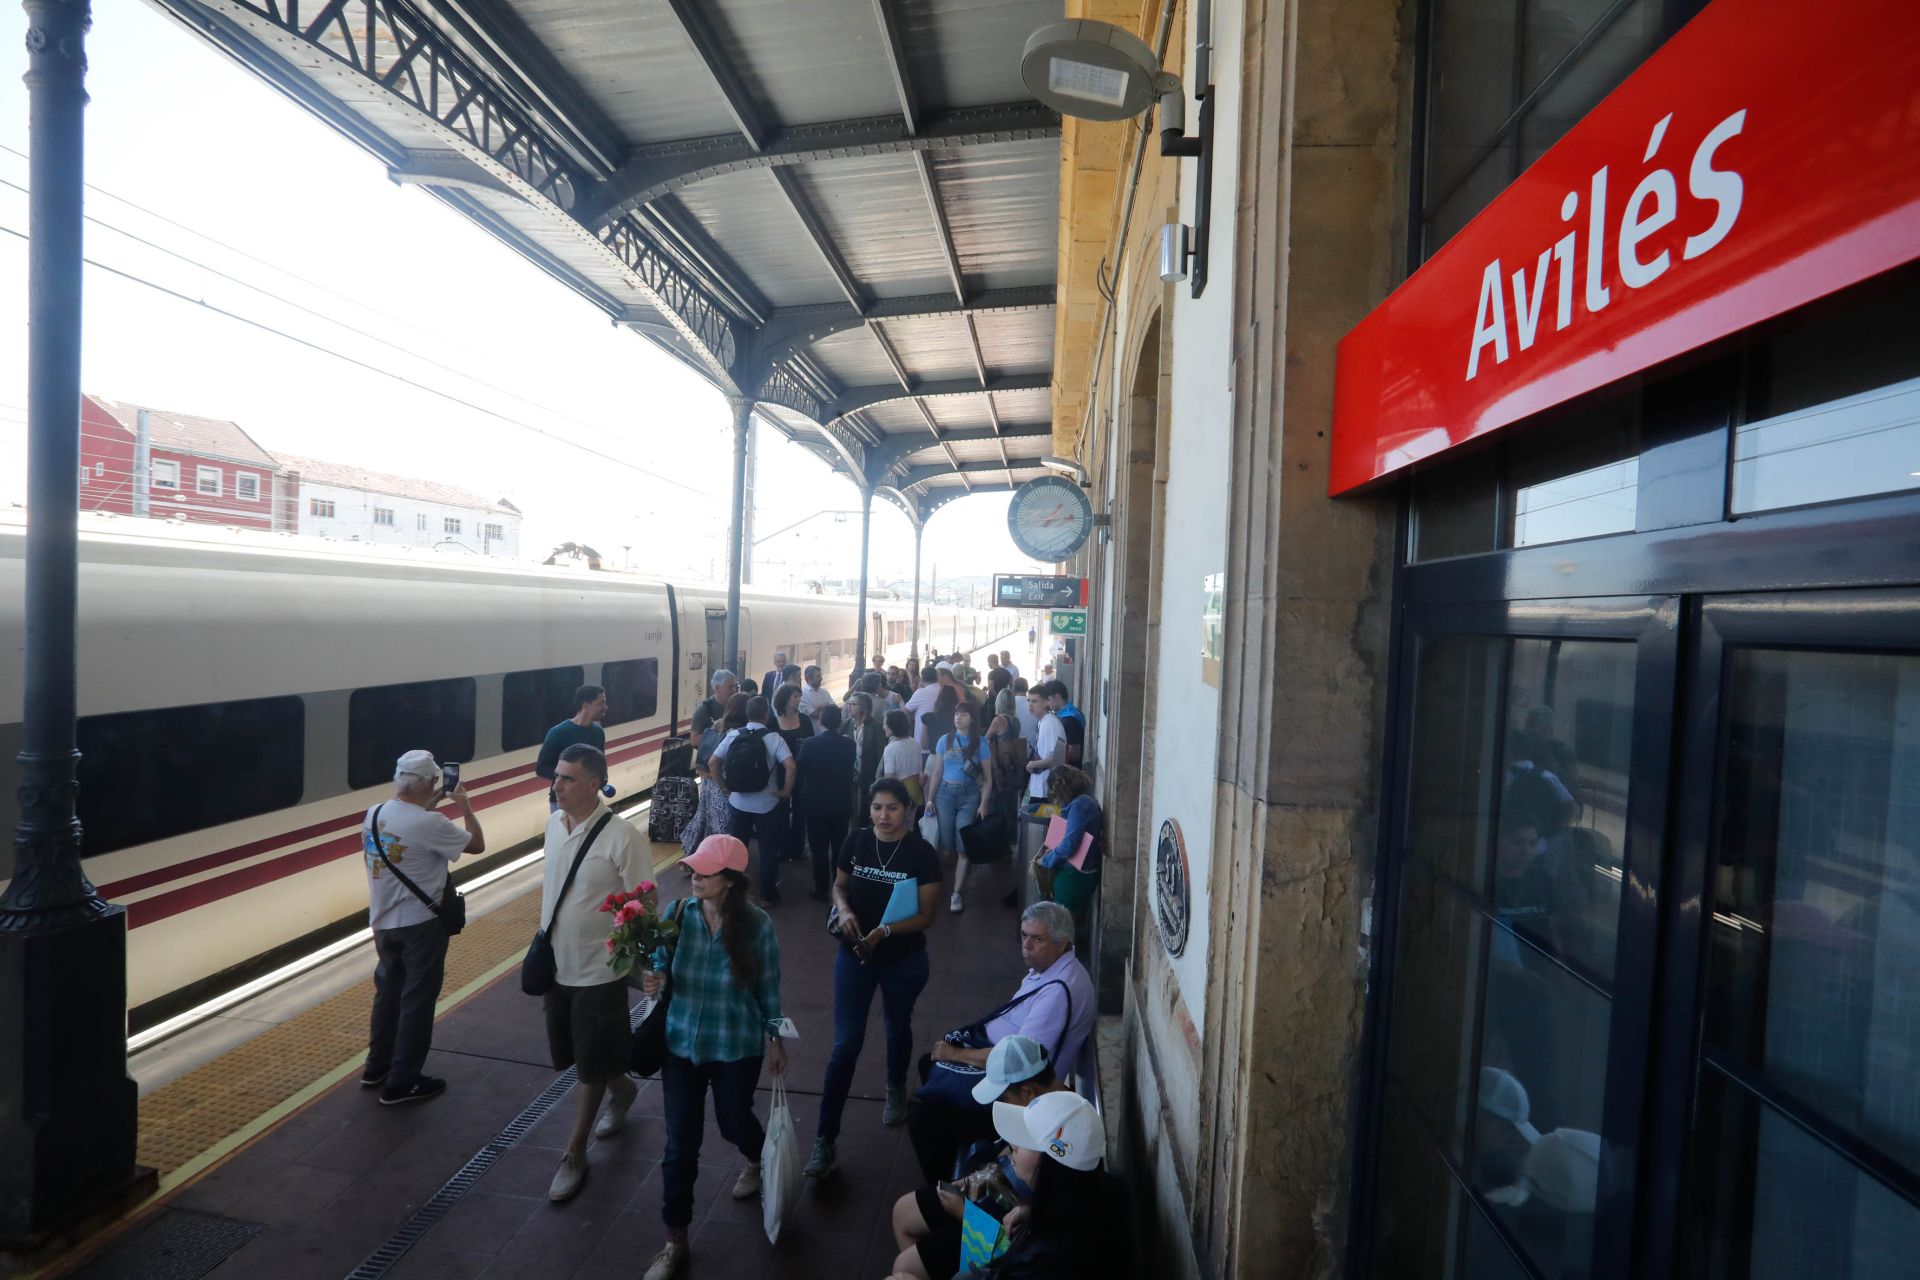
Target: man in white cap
1017, 1070
407, 847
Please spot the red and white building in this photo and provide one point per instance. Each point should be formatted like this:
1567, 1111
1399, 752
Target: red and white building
202, 470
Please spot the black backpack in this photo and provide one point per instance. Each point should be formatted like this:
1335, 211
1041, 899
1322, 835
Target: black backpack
747, 767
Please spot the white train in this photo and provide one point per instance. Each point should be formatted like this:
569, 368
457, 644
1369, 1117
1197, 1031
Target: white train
243, 696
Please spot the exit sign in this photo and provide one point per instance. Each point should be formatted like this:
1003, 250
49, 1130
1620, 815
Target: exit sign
1069, 622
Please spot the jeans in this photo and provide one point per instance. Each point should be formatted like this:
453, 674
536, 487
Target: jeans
406, 985
958, 805
684, 1085
826, 832
771, 830
900, 984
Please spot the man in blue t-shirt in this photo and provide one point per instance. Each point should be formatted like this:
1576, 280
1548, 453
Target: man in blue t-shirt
589, 709
1072, 722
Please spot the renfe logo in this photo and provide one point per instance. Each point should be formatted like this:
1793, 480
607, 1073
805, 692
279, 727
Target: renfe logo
1762, 158
1653, 207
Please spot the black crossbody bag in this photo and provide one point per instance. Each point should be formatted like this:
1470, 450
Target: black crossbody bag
539, 970
452, 907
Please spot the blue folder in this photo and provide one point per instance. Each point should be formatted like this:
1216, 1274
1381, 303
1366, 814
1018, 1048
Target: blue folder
904, 904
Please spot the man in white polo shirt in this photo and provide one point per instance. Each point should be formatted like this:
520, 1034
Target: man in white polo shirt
750, 807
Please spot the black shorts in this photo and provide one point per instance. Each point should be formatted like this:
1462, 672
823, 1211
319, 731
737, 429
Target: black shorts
940, 1248
587, 1028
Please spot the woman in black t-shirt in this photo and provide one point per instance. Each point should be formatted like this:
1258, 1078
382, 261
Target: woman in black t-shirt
877, 954
795, 726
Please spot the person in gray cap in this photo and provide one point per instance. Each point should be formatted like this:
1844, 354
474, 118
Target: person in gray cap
1017, 1070
404, 841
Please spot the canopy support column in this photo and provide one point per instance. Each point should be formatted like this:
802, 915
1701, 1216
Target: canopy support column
742, 409
66, 1104
866, 545
919, 530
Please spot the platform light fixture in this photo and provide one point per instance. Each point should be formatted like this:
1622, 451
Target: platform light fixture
1096, 71
1066, 466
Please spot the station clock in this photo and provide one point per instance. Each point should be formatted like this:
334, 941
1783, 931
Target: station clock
1050, 519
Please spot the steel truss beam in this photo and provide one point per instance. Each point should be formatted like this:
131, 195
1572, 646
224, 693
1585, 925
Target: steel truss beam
898, 449
653, 171
897, 64
920, 475
393, 47
854, 399
791, 329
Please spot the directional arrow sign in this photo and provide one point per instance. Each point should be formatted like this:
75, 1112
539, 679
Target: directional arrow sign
1069, 622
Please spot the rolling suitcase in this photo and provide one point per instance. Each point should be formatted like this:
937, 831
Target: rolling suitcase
674, 803
676, 758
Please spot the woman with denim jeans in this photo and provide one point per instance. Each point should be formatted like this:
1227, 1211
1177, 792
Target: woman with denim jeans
959, 788
877, 953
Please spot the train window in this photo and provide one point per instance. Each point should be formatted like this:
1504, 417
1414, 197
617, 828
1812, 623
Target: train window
633, 689
532, 702
387, 721
147, 775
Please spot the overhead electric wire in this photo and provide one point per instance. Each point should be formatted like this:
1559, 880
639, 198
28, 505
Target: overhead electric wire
374, 368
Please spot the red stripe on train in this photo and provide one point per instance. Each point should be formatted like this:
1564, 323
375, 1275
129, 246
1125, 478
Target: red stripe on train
266, 844
161, 906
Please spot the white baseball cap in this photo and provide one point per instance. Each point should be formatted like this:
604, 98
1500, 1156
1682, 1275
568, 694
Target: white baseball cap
1502, 1095
943, 666
1062, 1125
1014, 1059
417, 764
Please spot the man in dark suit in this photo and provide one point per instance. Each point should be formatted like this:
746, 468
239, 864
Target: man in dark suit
826, 795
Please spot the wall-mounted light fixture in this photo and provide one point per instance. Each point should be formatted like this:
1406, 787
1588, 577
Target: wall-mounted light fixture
1175, 252
1066, 466
1096, 71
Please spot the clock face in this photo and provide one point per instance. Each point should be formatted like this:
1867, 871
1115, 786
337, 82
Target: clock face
1050, 519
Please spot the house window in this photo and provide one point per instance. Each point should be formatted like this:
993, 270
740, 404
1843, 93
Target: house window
246, 486
494, 532
207, 480
320, 507
99, 469
383, 515
450, 524
165, 475
420, 522
84, 473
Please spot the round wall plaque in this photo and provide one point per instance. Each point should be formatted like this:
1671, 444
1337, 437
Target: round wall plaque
1173, 887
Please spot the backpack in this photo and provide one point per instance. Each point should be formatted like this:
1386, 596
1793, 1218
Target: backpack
747, 767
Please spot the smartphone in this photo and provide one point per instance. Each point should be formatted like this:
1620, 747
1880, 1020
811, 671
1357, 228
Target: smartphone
449, 776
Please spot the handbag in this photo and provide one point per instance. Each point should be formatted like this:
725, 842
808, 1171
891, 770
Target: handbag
951, 1083
648, 1051
452, 907
540, 969
988, 839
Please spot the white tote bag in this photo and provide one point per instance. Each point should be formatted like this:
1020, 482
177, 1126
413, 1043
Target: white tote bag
780, 1167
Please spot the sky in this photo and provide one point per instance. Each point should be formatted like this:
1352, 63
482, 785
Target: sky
195, 156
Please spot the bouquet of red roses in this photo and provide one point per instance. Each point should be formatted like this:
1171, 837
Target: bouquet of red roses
639, 929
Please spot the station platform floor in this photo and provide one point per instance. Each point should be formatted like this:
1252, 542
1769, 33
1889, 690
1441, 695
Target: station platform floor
276, 1164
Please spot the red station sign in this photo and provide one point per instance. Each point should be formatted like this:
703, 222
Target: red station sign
1767, 155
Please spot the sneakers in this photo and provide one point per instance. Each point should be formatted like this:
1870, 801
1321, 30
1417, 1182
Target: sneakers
894, 1110
668, 1263
747, 1185
372, 1080
422, 1088
821, 1162
956, 904
614, 1118
568, 1178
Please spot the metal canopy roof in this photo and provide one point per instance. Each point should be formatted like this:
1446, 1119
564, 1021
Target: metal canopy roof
844, 210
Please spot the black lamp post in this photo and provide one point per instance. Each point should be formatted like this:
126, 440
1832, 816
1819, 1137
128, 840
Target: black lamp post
67, 1107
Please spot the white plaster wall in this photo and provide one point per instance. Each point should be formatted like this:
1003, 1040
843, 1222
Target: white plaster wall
1188, 717
353, 520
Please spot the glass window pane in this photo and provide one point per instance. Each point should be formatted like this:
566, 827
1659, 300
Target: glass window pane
633, 689
532, 702
1815, 943
1772, 1203
1611, 58
1563, 807
1437, 982
1455, 745
1575, 473
1418, 1224
386, 721
1487, 1255
1470, 83
1456, 507
1458, 205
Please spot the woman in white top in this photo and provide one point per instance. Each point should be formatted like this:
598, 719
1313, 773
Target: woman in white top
902, 756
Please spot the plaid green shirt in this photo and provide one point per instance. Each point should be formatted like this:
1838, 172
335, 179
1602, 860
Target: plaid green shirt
713, 1018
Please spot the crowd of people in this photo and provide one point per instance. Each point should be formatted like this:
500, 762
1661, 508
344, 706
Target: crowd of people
913, 769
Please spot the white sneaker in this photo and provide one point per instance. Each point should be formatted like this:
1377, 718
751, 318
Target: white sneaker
614, 1118
956, 904
568, 1178
667, 1263
747, 1185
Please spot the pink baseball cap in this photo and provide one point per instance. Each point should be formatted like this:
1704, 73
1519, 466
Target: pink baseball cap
716, 854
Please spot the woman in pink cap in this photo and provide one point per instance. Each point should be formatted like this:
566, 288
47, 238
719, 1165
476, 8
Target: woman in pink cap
723, 1023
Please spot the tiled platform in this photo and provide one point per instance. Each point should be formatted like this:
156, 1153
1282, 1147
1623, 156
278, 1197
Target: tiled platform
337, 1178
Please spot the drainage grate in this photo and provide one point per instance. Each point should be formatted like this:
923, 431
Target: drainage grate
180, 1244
383, 1259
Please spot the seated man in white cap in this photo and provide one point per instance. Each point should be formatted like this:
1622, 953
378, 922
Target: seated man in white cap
407, 847
926, 1222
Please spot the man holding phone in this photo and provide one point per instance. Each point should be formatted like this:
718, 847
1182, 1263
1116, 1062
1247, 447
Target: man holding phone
405, 837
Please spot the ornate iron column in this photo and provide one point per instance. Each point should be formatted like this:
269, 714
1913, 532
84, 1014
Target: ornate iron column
866, 541
742, 408
67, 1108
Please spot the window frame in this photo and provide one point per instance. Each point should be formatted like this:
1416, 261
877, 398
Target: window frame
241, 481
382, 746
314, 506
154, 473
378, 512
453, 525
200, 473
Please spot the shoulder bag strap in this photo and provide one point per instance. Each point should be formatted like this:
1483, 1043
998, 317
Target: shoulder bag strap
398, 874
1025, 996
574, 870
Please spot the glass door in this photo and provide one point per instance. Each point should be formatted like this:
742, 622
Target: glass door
1788, 1143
